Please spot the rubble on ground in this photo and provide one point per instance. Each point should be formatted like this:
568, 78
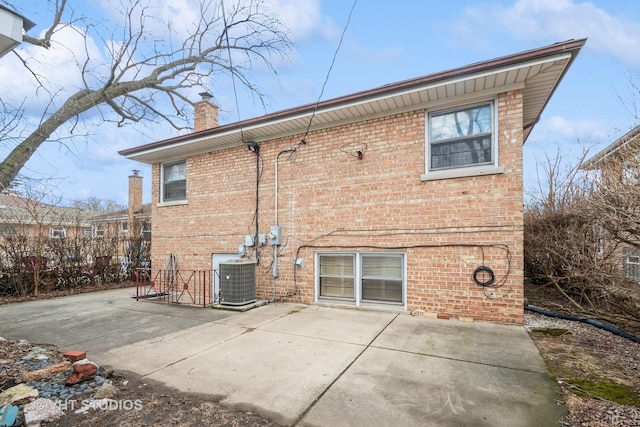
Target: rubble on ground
38, 385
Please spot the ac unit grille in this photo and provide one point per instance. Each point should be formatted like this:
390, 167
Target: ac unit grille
237, 282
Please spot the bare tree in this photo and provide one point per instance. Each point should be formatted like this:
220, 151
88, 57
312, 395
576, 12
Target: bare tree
616, 200
571, 248
146, 76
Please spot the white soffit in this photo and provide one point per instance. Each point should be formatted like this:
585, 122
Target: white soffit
538, 78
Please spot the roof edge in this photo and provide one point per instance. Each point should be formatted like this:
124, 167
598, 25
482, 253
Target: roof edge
571, 46
612, 149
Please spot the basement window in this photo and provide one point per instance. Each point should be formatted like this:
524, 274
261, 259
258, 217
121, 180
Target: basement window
361, 277
174, 181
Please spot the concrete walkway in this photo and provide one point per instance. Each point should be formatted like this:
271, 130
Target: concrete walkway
308, 365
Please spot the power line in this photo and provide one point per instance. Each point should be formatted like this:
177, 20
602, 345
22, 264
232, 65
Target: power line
333, 61
233, 77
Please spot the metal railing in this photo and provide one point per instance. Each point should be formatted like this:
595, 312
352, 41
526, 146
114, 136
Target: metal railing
175, 287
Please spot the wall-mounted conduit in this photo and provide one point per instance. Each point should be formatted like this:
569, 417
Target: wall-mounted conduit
493, 285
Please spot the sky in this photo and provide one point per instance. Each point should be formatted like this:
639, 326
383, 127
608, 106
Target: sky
384, 42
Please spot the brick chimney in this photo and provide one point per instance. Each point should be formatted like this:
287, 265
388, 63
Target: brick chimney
205, 113
135, 197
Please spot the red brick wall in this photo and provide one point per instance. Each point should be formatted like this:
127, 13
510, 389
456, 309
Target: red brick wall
329, 199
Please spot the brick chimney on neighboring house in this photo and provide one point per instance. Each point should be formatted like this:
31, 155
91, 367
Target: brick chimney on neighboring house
135, 197
205, 113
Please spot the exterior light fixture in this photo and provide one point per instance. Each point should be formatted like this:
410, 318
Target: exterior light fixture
254, 147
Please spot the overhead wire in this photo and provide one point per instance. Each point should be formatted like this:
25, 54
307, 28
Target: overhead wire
231, 68
326, 79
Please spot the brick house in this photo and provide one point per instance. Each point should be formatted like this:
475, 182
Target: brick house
405, 197
619, 167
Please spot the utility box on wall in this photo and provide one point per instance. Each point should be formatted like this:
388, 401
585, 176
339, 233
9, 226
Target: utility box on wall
275, 235
237, 282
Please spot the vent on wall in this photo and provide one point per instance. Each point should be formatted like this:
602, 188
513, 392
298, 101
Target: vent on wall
237, 282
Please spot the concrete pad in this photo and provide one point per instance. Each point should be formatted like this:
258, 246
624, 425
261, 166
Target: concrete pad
480, 342
97, 322
343, 325
151, 355
277, 375
324, 365
261, 315
386, 387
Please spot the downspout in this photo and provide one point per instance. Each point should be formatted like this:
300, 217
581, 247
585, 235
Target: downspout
275, 197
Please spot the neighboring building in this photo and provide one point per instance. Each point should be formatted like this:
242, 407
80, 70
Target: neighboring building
405, 197
31, 217
129, 228
122, 235
619, 164
38, 225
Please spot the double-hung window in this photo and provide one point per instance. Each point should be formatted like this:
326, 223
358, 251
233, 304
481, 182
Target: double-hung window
361, 277
174, 181
461, 138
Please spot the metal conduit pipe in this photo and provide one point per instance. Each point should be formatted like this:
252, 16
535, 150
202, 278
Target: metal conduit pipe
275, 221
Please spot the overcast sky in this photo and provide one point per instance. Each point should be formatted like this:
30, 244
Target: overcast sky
385, 42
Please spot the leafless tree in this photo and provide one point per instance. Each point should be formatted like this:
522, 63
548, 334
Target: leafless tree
150, 67
571, 244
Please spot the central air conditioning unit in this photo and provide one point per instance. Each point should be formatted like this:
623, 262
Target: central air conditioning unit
237, 282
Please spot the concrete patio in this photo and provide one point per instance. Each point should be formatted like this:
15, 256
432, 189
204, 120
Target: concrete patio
308, 365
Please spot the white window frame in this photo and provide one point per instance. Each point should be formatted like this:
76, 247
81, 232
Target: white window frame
632, 267
488, 168
124, 226
99, 230
57, 232
176, 201
358, 300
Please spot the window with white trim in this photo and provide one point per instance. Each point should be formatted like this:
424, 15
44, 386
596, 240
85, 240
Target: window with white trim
57, 233
361, 277
632, 267
174, 181
461, 138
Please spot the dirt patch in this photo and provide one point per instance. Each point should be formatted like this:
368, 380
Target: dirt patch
598, 372
141, 402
